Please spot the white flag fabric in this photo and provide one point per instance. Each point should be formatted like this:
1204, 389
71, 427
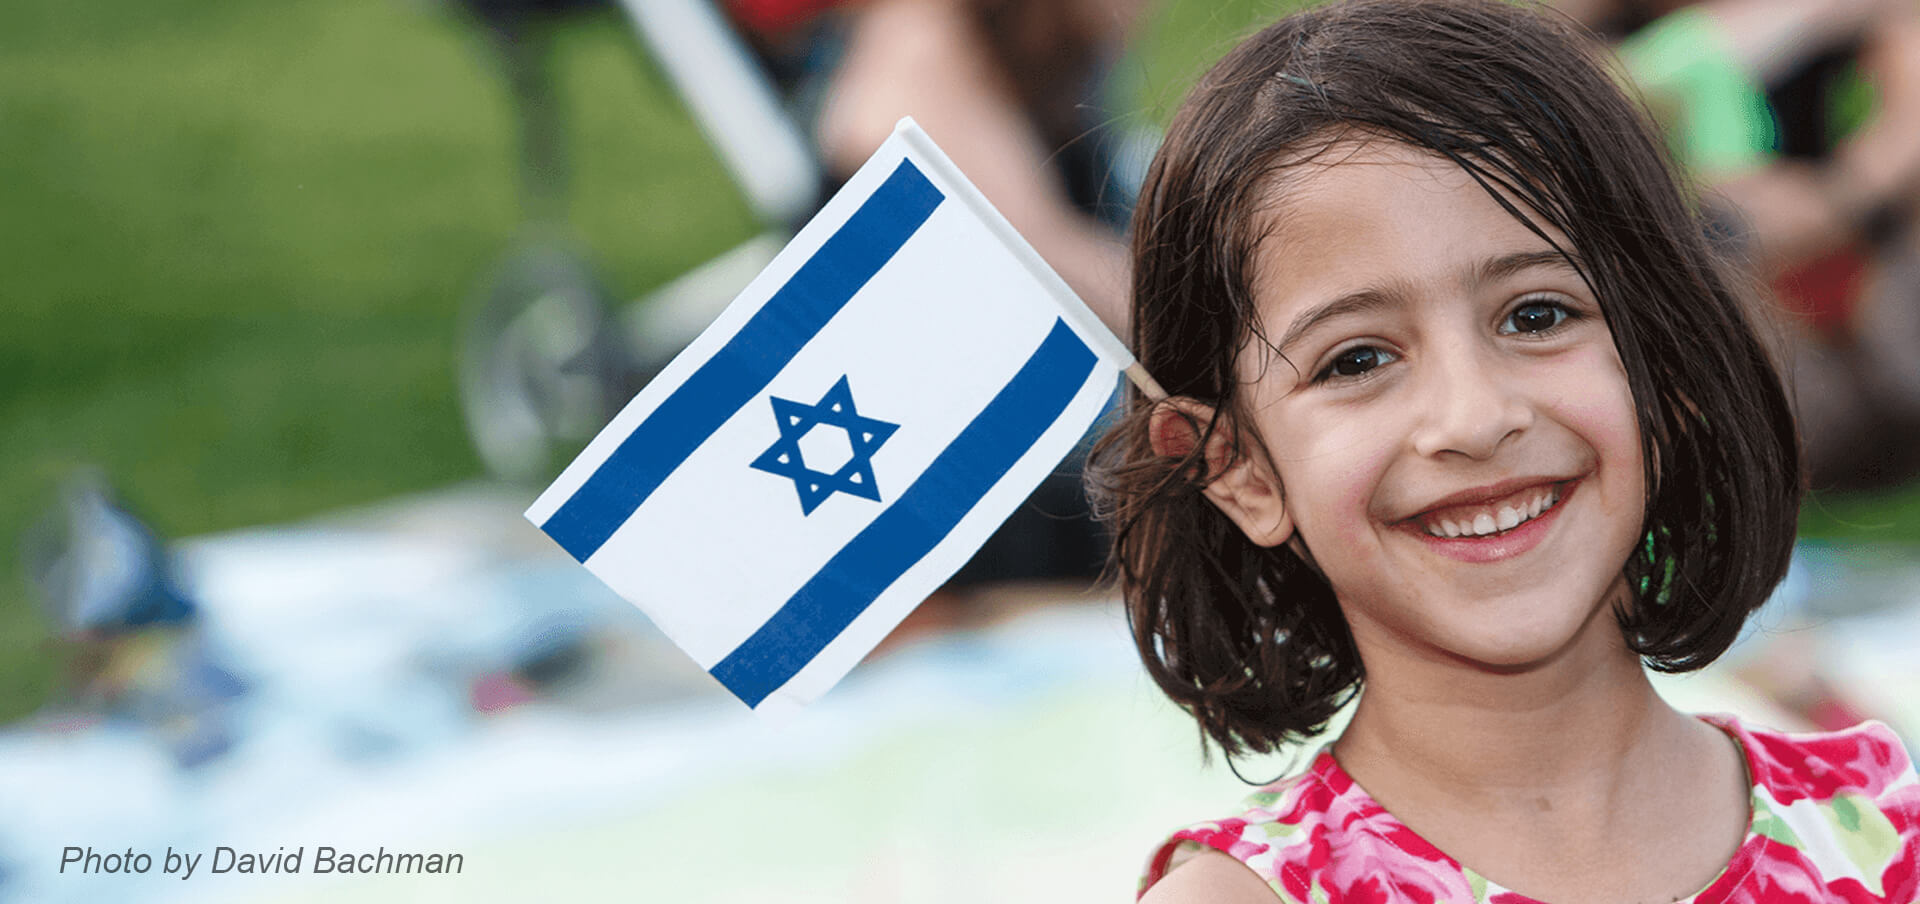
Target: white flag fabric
844, 436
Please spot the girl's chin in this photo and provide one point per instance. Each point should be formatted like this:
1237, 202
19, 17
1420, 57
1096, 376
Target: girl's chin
1499, 633
1536, 636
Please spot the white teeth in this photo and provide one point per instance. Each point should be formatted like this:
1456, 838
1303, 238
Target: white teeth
1504, 519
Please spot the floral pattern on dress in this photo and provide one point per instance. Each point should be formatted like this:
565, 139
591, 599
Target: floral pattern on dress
1836, 817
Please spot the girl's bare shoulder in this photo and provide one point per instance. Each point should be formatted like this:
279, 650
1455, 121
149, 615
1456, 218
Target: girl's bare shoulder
1209, 877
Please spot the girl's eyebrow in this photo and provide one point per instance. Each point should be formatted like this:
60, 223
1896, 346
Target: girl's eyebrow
1361, 302
1498, 268
1368, 300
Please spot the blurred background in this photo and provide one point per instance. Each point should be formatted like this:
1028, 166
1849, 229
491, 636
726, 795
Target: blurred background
307, 301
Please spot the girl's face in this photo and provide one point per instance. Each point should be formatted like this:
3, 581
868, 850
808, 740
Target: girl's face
1455, 441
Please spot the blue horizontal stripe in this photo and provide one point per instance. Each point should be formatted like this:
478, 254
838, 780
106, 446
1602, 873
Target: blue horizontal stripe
743, 367
917, 522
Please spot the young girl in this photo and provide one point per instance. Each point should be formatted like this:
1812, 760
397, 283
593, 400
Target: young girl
1465, 412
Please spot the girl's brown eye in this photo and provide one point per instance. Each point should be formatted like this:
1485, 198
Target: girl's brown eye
1355, 362
1536, 317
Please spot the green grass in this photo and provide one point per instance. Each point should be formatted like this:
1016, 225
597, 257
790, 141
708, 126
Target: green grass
236, 238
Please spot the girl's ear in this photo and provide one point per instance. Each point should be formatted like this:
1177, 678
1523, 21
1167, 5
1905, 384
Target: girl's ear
1242, 486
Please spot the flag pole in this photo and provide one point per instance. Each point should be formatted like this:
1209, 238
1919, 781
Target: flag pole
1145, 382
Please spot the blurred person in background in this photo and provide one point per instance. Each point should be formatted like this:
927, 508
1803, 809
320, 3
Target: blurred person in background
1803, 121
1010, 88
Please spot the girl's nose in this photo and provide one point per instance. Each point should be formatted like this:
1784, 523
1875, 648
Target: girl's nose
1472, 405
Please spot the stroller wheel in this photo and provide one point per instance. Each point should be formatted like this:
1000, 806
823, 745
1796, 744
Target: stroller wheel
541, 369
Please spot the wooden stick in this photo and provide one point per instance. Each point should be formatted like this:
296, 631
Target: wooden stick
1146, 382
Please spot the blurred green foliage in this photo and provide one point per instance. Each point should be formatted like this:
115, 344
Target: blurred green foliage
235, 241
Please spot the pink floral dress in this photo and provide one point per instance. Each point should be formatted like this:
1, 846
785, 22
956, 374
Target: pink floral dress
1836, 817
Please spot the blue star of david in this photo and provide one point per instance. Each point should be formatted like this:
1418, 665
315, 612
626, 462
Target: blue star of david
835, 409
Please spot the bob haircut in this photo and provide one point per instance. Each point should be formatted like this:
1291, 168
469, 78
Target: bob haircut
1251, 640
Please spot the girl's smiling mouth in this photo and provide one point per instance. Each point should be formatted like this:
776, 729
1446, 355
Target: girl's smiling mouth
1494, 523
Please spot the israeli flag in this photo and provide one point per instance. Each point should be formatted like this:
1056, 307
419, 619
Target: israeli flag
844, 436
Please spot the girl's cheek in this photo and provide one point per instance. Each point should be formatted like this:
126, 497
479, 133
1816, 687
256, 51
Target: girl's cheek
1360, 490
1331, 474
1598, 401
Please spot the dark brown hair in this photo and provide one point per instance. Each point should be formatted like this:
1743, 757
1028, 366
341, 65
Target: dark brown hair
1251, 640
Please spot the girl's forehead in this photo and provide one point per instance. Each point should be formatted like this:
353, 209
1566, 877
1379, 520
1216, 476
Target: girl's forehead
1352, 151
1380, 214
